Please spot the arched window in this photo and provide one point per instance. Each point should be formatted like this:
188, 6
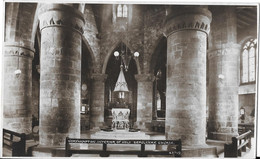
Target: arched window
122, 10
119, 11
248, 61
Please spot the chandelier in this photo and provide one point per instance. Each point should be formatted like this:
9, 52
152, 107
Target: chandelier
125, 55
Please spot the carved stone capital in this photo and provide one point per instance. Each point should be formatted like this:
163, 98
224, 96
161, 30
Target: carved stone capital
225, 49
59, 15
188, 18
144, 77
99, 77
16, 50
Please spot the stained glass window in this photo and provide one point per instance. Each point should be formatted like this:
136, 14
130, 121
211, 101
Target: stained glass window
249, 61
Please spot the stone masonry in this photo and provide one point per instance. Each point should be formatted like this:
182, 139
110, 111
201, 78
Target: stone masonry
98, 101
144, 101
60, 77
223, 93
18, 88
223, 57
187, 30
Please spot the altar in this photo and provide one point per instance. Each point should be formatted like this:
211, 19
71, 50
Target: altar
120, 119
120, 127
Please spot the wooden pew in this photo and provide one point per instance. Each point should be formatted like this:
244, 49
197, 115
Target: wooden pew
14, 141
140, 153
238, 145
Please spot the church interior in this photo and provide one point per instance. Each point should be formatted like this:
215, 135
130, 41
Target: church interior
126, 71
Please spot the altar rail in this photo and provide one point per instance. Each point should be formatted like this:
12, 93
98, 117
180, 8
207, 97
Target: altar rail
238, 145
14, 141
141, 153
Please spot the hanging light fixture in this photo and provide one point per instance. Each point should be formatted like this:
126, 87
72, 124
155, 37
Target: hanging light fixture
125, 55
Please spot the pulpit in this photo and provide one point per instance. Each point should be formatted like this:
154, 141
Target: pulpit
120, 119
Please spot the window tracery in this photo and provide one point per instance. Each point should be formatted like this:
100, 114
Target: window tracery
248, 61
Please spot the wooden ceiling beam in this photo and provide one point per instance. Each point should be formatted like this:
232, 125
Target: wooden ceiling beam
242, 22
246, 18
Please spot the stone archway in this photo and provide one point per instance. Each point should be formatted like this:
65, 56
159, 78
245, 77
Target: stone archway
112, 71
111, 51
158, 64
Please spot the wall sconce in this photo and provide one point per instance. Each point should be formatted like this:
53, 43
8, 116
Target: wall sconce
17, 72
221, 76
38, 68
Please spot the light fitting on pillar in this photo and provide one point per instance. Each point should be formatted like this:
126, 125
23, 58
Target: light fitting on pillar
38, 68
18, 72
121, 85
221, 76
125, 55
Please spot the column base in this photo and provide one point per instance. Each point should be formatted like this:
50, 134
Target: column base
223, 136
199, 151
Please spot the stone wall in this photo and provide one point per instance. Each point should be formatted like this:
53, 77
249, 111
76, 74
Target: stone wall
19, 23
90, 35
153, 32
131, 34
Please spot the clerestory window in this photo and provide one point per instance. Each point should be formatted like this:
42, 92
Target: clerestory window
122, 10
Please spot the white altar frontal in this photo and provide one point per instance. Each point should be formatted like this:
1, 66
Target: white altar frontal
120, 119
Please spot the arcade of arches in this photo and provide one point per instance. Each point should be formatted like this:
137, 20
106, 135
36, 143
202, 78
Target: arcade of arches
194, 78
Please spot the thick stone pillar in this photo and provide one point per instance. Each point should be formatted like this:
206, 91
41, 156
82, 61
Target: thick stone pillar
17, 92
97, 100
144, 101
223, 92
223, 57
187, 29
60, 77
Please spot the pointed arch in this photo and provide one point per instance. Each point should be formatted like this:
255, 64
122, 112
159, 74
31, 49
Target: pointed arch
154, 55
110, 53
93, 59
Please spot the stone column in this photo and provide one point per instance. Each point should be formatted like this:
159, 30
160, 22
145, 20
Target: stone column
60, 77
223, 57
97, 100
144, 101
187, 29
17, 92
